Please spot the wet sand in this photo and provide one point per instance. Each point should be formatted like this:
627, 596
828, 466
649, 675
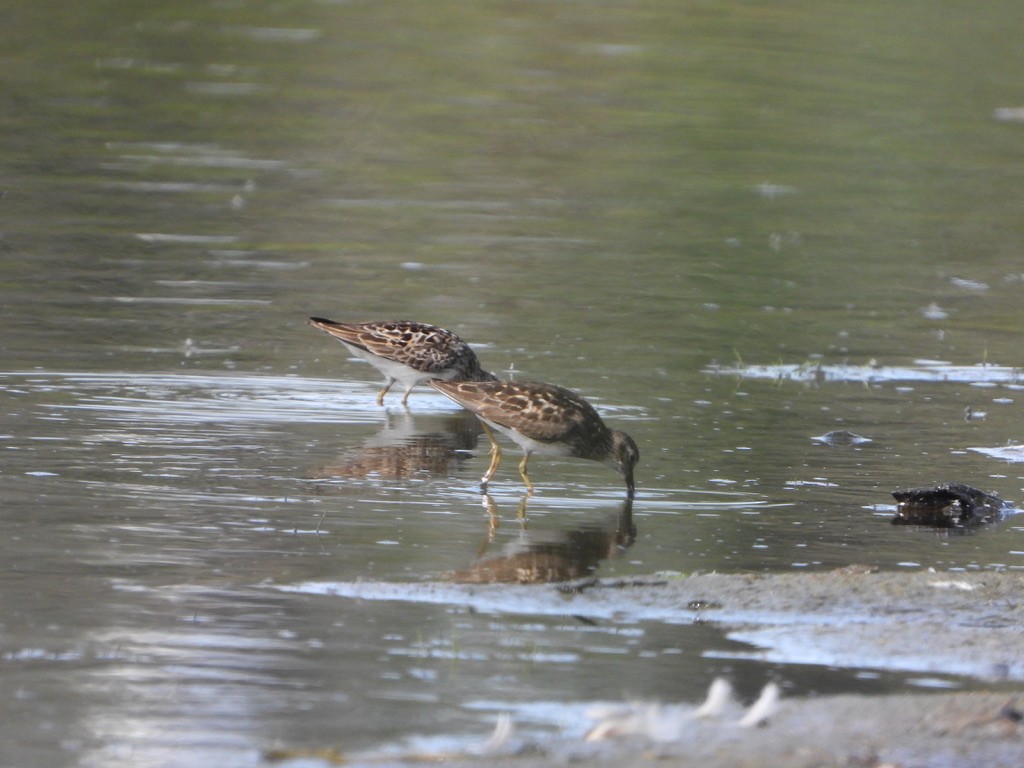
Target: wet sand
958, 730
969, 623
952, 623
964, 623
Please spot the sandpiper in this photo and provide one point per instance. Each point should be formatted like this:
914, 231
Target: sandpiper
545, 419
407, 352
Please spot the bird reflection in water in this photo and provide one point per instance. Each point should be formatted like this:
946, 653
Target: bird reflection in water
545, 556
402, 450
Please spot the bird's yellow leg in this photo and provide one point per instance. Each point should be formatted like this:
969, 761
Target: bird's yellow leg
380, 395
526, 477
495, 456
405, 397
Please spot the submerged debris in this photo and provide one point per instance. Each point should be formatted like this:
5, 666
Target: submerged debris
719, 696
761, 710
972, 414
817, 373
951, 505
1011, 453
840, 437
1008, 114
498, 741
1004, 724
325, 755
671, 722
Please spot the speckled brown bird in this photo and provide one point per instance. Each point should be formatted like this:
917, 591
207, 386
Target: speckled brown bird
407, 352
545, 419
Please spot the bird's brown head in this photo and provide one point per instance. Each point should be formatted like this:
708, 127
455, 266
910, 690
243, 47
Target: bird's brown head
624, 456
479, 374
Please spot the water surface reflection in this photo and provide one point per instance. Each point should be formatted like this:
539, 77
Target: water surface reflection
549, 555
404, 449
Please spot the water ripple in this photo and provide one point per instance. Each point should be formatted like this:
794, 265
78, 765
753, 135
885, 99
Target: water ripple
195, 398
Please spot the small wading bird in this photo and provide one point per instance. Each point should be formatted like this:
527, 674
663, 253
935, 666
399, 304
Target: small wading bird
407, 352
545, 419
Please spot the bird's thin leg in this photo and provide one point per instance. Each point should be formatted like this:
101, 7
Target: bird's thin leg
522, 473
405, 397
495, 457
380, 395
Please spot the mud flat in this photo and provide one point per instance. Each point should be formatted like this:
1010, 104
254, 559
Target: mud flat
963, 623
959, 730
951, 623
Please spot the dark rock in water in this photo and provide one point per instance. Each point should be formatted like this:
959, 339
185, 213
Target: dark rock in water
951, 505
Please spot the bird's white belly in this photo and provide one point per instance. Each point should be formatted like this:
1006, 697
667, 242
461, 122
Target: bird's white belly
530, 445
400, 372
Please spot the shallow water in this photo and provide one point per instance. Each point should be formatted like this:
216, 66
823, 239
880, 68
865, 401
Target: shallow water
735, 229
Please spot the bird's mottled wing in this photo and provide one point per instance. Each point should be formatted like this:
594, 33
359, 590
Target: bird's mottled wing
420, 346
423, 347
543, 412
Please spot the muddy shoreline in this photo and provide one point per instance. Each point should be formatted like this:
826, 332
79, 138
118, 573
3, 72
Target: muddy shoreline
958, 730
966, 623
955, 623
